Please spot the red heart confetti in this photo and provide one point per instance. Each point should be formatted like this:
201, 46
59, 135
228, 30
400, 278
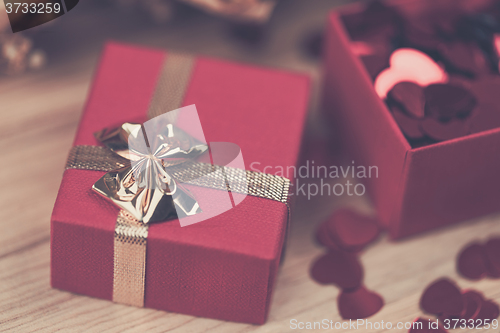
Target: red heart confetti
442, 297
409, 96
421, 35
486, 88
453, 58
486, 118
345, 233
464, 57
360, 303
492, 250
351, 230
409, 126
471, 262
324, 236
476, 261
340, 268
440, 131
446, 101
473, 302
442, 317
422, 325
408, 65
489, 310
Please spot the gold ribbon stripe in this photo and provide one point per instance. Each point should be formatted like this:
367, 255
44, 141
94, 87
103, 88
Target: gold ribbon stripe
94, 158
253, 183
172, 84
130, 234
129, 263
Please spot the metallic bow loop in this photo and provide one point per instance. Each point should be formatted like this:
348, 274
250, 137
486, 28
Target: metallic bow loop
144, 187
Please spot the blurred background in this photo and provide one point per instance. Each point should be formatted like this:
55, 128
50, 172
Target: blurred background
54, 62
280, 33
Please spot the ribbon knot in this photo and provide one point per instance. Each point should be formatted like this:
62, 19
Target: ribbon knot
144, 187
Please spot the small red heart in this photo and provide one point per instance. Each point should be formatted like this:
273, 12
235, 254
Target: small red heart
422, 325
360, 303
324, 236
489, 310
340, 268
473, 302
485, 117
351, 230
409, 126
471, 262
442, 317
442, 296
444, 131
410, 96
447, 101
492, 250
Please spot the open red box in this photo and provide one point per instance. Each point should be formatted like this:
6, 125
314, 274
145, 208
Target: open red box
418, 189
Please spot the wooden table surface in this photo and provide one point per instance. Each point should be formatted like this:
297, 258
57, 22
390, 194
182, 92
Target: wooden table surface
40, 113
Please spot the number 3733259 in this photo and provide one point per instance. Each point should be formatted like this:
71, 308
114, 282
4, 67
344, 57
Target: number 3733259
33, 7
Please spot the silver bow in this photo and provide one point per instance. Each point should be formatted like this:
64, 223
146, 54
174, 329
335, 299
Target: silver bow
143, 186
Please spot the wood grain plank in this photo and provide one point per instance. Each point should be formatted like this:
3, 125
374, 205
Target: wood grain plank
399, 271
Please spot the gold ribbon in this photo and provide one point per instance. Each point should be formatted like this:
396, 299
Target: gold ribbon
130, 237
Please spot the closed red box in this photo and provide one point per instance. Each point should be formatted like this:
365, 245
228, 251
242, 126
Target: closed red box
224, 267
418, 189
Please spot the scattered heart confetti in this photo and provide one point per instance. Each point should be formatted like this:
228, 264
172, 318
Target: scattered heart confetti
344, 234
471, 262
453, 58
360, 303
421, 35
485, 88
489, 310
442, 317
351, 230
486, 118
447, 101
442, 296
340, 268
409, 126
409, 65
492, 249
410, 96
473, 302
324, 236
445, 131
476, 260
464, 57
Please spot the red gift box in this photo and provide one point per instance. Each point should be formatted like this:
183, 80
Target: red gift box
418, 189
224, 267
